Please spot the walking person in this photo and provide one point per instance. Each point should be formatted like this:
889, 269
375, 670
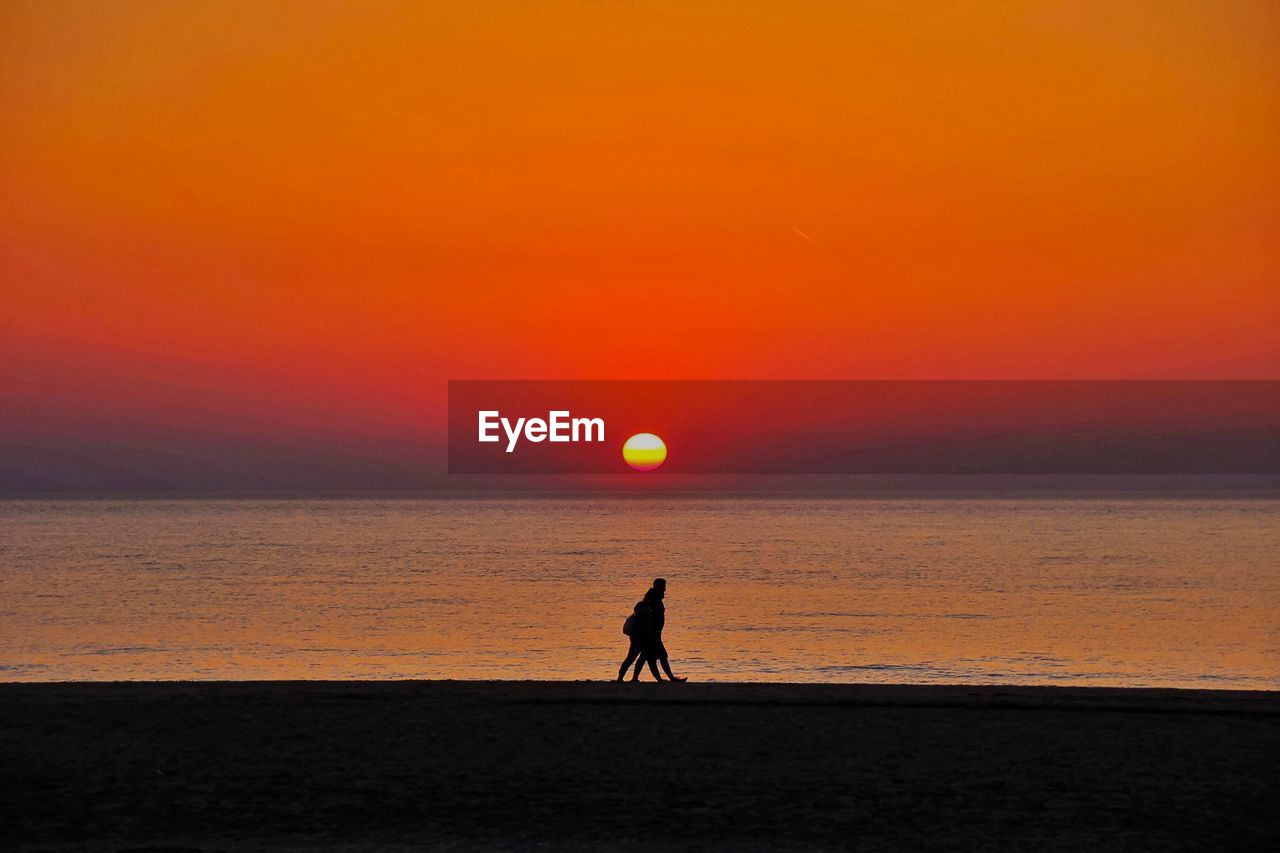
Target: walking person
658, 620
639, 627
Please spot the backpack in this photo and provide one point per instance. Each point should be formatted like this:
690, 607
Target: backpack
629, 625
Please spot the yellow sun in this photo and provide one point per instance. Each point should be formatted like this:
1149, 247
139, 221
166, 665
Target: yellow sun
644, 451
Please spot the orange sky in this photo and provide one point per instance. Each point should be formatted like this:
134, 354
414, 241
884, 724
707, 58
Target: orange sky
294, 218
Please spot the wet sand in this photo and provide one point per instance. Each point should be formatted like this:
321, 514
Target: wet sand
481, 765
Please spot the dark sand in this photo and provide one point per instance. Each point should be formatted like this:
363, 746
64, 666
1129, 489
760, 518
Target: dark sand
469, 765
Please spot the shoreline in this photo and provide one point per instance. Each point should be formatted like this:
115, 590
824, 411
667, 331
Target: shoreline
800, 694
402, 765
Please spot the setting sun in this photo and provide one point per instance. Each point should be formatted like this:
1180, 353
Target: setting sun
644, 451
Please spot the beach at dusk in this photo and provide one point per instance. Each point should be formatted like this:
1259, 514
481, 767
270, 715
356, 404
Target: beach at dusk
576, 766
588, 425
110, 746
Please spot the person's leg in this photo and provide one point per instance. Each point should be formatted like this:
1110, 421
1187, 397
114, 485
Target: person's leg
666, 664
650, 657
632, 652
644, 655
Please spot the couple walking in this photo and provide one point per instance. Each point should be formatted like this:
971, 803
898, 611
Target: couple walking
644, 627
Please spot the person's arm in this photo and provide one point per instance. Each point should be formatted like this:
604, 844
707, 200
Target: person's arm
644, 621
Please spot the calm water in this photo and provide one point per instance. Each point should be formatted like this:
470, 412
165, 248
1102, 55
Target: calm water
1172, 592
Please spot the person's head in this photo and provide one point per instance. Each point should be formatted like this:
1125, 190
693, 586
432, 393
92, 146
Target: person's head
660, 584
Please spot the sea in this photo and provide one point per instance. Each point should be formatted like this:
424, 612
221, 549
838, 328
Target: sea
1163, 591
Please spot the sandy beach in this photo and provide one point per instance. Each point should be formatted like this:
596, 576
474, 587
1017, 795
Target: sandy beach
575, 765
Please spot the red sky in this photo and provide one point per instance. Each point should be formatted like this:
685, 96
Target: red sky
295, 221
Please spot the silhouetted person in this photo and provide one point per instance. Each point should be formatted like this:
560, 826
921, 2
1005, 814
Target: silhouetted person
656, 650
642, 638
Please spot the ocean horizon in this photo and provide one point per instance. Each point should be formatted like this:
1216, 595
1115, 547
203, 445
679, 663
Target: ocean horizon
1168, 590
